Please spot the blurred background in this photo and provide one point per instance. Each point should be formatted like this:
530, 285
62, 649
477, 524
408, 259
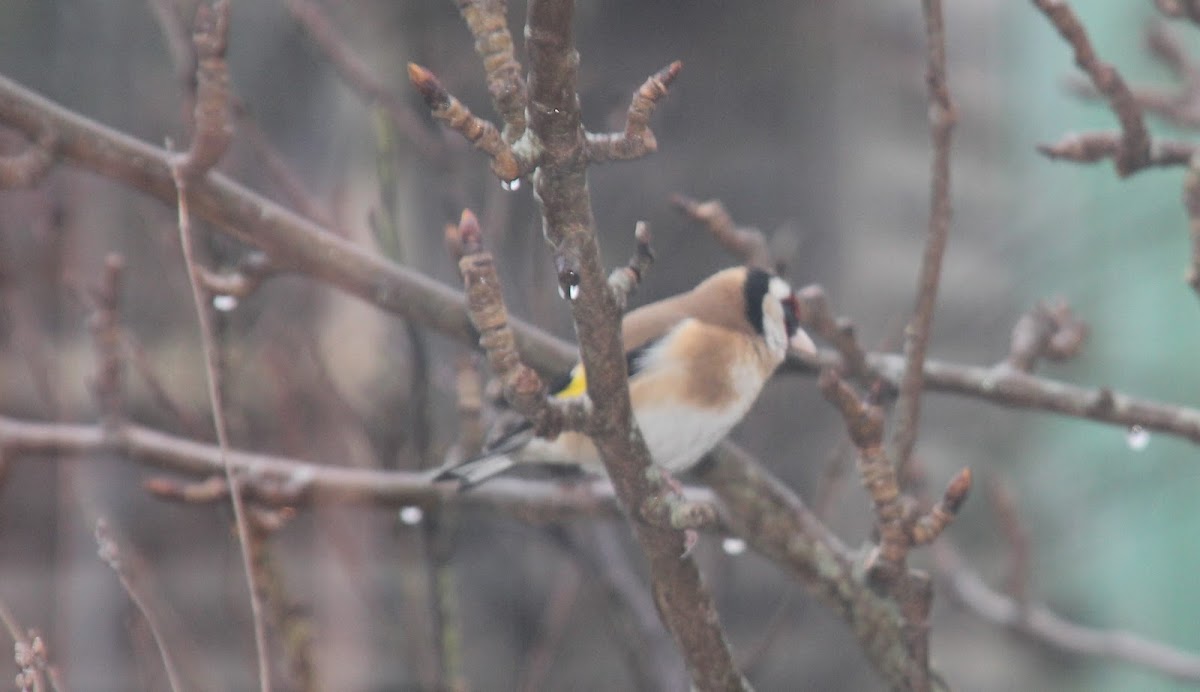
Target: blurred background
807, 119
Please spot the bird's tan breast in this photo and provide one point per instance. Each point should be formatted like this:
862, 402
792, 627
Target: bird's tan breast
705, 365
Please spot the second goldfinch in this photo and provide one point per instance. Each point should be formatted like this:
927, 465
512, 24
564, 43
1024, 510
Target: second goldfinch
697, 362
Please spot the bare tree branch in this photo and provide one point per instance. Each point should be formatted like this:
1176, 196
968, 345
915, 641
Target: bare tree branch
488, 22
132, 580
749, 245
506, 163
623, 281
942, 117
213, 125
637, 139
1133, 153
28, 654
1048, 330
772, 519
1091, 147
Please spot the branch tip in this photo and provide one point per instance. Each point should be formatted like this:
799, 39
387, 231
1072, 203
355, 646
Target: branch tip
427, 84
470, 236
957, 490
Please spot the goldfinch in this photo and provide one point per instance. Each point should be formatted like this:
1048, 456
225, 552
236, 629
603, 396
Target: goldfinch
697, 361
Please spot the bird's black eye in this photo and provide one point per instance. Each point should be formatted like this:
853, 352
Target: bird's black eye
791, 315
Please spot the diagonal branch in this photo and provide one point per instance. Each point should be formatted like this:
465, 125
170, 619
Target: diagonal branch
560, 187
748, 245
1042, 625
483, 135
778, 525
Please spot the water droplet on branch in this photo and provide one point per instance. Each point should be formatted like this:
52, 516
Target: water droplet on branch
411, 515
224, 303
568, 284
1137, 438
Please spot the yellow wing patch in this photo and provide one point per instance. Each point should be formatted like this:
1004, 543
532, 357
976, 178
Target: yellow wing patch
576, 387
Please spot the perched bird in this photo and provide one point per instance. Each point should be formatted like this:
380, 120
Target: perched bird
697, 361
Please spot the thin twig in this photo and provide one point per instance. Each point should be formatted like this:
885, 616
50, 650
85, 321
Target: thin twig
864, 423
1016, 535
209, 141
113, 555
29, 655
816, 314
523, 388
1179, 105
1134, 151
213, 127
488, 22
1047, 330
942, 117
1091, 147
747, 244
105, 326
506, 163
637, 140
623, 281
212, 367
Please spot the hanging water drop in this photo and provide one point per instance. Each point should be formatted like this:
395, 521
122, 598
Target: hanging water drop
511, 185
411, 515
568, 284
732, 545
1137, 438
224, 303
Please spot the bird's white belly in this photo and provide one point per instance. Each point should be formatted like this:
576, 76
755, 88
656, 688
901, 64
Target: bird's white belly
675, 441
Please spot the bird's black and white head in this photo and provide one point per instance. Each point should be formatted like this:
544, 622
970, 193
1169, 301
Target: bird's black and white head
757, 302
774, 313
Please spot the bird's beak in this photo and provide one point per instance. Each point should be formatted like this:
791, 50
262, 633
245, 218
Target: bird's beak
802, 344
